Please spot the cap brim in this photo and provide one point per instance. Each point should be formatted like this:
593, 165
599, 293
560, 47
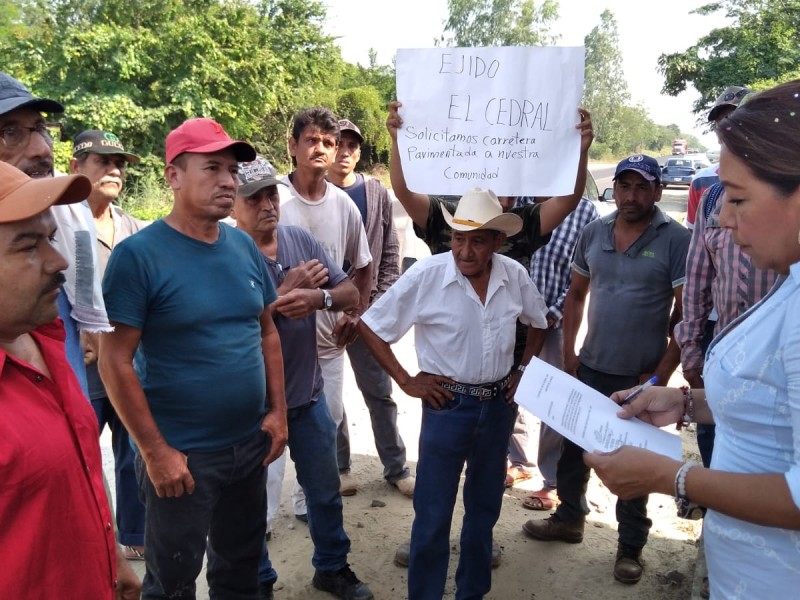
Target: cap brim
131, 158
507, 223
33, 196
643, 173
353, 132
248, 189
40, 104
712, 115
242, 151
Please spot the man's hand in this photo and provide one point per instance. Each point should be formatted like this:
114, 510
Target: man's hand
571, 363
694, 377
585, 127
429, 388
128, 586
298, 303
168, 470
345, 329
275, 426
513, 384
306, 275
393, 120
89, 343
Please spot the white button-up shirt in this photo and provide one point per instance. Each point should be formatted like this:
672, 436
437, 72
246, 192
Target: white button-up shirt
455, 334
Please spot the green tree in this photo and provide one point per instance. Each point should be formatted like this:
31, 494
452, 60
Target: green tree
605, 89
474, 23
758, 49
141, 67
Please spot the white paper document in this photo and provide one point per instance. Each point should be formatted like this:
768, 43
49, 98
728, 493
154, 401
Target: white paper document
585, 416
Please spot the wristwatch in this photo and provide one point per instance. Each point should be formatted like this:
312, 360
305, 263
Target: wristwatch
327, 300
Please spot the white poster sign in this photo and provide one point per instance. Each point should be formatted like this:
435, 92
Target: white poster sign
497, 118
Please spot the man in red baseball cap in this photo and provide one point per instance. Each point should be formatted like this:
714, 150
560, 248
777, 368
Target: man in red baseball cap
52, 470
193, 295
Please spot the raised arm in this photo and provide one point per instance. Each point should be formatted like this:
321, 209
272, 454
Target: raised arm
556, 209
416, 205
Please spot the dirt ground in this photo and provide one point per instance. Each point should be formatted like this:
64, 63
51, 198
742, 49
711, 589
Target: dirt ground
378, 518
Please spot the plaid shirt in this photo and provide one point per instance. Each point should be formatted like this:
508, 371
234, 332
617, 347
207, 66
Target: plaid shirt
550, 265
720, 276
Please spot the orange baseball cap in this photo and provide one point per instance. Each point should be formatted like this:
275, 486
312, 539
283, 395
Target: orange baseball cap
22, 197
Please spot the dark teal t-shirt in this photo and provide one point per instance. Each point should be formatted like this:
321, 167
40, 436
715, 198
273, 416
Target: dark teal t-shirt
198, 307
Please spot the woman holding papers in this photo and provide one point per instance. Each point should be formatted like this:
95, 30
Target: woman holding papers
752, 375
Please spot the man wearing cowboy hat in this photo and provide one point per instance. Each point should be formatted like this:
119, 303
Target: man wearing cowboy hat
468, 413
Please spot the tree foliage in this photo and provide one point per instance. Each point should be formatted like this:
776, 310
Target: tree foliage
141, 67
758, 49
499, 23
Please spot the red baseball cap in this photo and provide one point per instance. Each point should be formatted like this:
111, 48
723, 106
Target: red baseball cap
205, 136
22, 197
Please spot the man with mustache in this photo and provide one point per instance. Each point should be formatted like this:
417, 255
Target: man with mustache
305, 277
632, 264
56, 538
25, 143
101, 157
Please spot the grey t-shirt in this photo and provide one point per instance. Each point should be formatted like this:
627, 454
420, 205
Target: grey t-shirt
630, 293
303, 378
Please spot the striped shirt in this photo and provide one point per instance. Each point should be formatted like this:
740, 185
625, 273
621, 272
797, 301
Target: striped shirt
704, 179
550, 265
720, 276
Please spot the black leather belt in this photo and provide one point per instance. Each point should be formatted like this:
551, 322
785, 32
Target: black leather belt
484, 391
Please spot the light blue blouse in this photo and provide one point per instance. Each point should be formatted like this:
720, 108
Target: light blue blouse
752, 378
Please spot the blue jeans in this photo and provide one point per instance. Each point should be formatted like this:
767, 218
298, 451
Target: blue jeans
467, 430
130, 510
573, 474
312, 447
228, 507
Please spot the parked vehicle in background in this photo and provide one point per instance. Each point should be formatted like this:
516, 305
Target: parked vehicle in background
679, 147
713, 156
679, 171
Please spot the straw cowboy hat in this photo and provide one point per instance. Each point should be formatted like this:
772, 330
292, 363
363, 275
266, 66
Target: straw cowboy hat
480, 209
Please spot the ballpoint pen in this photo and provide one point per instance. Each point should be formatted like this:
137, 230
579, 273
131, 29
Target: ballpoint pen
649, 383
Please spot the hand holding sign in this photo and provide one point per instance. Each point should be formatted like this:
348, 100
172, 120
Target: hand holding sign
493, 117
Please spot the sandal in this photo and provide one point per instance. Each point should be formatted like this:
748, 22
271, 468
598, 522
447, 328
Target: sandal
543, 499
132, 553
516, 474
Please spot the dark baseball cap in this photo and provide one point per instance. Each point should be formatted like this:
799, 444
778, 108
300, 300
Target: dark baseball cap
644, 165
347, 125
255, 176
14, 95
100, 142
732, 96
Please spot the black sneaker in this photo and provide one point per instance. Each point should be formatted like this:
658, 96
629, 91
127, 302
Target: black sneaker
265, 591
342, 583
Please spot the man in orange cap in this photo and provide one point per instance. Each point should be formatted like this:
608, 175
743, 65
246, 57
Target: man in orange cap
48, 434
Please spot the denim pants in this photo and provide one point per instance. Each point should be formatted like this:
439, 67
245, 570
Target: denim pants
573, 474
467, 430
130, 510
376, 387
312, 447
228, 507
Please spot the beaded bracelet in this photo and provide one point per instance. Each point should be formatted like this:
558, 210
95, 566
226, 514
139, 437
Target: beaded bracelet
687, 418
686, 508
